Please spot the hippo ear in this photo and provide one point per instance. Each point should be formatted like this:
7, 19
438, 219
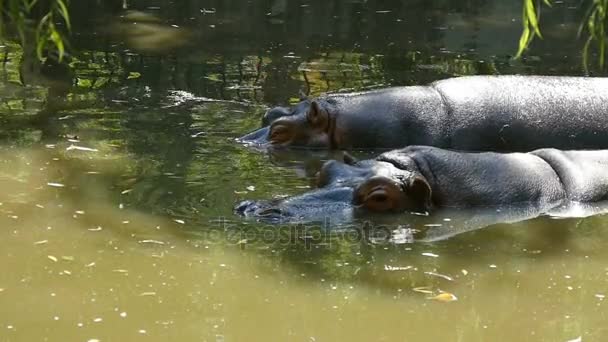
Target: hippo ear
419, 192
317, 116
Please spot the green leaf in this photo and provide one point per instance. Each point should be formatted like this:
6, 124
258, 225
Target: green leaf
523, 42
58, 41
133, 74
41, 35
63, 10
532, 19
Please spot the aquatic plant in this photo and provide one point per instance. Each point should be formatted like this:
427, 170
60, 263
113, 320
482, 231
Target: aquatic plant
594, 24
36, 22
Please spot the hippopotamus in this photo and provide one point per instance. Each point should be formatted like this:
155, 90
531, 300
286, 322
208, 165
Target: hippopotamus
474, 113
423, 179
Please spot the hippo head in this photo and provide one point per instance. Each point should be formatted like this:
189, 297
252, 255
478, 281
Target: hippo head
347, 189
308, 124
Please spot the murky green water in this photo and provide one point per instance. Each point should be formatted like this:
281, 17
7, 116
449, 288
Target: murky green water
118, 182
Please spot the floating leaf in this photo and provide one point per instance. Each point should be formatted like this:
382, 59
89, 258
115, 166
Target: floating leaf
423, 289
133, 74
445, 297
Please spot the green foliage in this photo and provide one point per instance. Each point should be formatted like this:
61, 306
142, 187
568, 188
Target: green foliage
20, 16
596, 28
530, 20
594, 24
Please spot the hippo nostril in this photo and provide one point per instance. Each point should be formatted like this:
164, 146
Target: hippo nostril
243, 208
269, 212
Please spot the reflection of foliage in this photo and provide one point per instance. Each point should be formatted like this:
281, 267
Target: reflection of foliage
18, 15
594, 24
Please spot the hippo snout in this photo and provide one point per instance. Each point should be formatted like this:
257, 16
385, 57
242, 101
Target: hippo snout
261, 210
258, 137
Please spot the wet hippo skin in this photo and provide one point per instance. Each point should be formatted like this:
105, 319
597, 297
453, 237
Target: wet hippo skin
493, 113
423, 178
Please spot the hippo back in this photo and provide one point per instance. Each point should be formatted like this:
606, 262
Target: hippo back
522, 113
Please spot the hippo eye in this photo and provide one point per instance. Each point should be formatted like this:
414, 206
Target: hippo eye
379, 194
279, 134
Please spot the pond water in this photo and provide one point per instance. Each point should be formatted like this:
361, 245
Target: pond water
119, 177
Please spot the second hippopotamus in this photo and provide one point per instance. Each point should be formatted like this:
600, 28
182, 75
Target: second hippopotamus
423, 178
493, 113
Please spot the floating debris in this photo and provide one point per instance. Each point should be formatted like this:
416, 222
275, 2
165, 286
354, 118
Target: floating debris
41, 242
52, 258
423, 289
143, 294
81, 148
432, 255
180, 221
397, 268
120, 271
67, 258
157, 242
56, 185
124, 192
444, 297
443, 276
464, 272
251, 188
96, 229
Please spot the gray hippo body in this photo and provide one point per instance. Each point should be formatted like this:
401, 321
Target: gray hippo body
476, 113
424, 179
